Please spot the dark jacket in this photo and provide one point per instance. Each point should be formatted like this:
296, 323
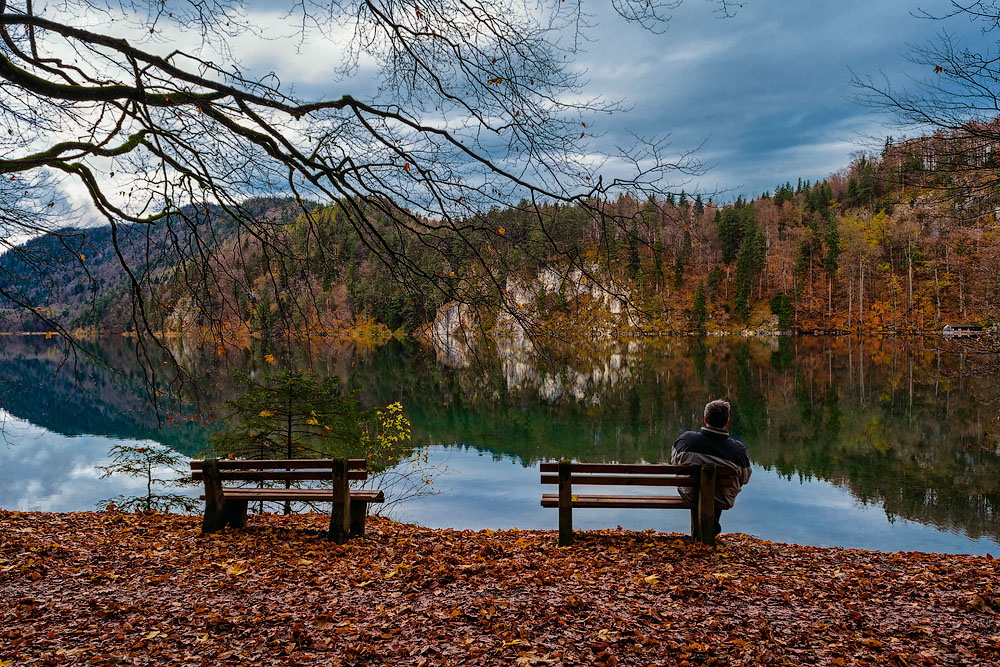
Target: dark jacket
710, 445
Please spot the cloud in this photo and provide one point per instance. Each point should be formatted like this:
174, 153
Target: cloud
768, 91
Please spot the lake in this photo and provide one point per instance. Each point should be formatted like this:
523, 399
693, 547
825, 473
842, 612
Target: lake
865, 442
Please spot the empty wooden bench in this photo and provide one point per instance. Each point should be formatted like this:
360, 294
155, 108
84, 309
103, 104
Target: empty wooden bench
227, 505
702, 479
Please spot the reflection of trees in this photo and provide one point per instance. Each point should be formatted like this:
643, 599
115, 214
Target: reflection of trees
42, 382
879, 421
880, 418
906, 424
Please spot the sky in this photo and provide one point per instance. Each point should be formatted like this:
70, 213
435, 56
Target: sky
766, 93
768, 90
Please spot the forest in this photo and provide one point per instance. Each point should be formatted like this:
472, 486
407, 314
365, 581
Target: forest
900, 241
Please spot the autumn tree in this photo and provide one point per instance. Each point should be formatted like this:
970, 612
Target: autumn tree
145, 108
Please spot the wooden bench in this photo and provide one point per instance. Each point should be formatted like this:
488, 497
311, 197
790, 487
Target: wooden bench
228, 504
702, 479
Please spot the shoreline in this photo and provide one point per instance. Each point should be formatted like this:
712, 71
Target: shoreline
359, 335
113, 588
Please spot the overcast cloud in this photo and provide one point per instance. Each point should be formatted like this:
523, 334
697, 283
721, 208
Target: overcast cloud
767, 91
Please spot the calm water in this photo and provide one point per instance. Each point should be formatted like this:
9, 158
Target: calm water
872, 443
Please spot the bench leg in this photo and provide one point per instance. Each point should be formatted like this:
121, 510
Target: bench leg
706, 505
359, 512
565, 505
236, 512
694, 522
340, 513
214, 521
215, 504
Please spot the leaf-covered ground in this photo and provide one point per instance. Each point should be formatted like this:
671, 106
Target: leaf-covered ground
129, 589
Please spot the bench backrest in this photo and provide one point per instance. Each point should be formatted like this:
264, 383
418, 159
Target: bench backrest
256, 470
632, 474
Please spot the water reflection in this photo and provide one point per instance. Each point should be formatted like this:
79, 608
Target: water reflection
486, 490
50, 472
906, 429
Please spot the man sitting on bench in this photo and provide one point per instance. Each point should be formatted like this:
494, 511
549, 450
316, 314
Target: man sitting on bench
713, 444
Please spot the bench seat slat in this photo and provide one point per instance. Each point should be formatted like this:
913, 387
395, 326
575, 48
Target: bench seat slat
315, 495
625, 480
282, 475
722, 472
280, 464
622, 468
627, 502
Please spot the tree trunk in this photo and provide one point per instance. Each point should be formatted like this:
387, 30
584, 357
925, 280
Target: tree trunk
829, 294
861, 294
850, 301
961, 293
909, 276
937, 293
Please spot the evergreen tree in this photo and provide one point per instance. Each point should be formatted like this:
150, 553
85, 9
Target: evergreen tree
751, 260
781, 306
649, 210
699, 311
610, 239
293, 415
832, 237
699, 206
714, 280
730, 231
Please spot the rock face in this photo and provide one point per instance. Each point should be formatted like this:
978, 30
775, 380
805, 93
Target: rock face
456, 328
451, 334
182, 317
574, 283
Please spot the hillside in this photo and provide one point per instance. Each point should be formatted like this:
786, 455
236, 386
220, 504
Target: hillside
903, 241
75, 277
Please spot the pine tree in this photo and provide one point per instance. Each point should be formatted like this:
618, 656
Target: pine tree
293, 415
730, 231
699, 311
832, 258
699, 206
751, 260
781, 306
832, 237
852, 192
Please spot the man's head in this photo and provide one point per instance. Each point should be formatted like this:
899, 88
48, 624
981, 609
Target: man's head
717, 414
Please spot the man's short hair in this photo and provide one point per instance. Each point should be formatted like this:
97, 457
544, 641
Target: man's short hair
717, 413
